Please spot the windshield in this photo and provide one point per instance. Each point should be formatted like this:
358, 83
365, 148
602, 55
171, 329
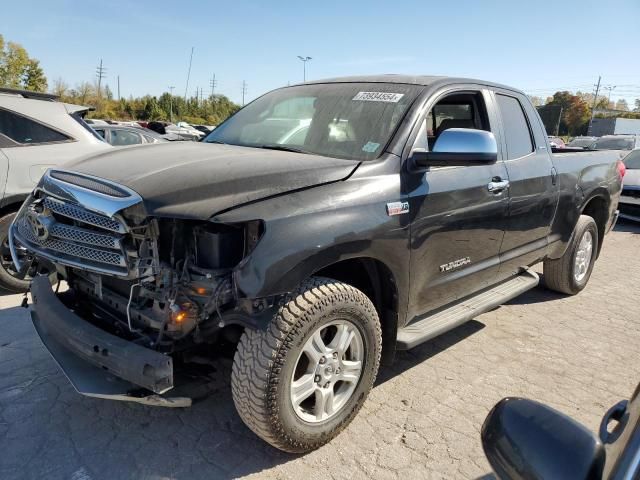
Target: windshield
342, 120
632, 161
613, 143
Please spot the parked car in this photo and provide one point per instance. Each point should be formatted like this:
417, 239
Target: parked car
630, 197
36, 132
186, 128
120, 136
581, 142
206, 129
395, 218
524, 439
616, 142
556, 142
166, 128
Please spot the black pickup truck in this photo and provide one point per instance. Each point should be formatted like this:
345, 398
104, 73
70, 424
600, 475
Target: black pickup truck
320, 228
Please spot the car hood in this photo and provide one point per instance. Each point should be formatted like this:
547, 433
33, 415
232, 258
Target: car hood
198, 180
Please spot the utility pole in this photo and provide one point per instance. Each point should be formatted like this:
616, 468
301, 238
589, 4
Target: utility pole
212, 84
118, 87
609, 87
100, 73
171, 103
304, 66
186, 88
244, 91
593, 109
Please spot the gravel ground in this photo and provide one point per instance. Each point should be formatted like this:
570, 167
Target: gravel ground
422, 420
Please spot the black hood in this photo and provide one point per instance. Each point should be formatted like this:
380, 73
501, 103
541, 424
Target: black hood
197, 180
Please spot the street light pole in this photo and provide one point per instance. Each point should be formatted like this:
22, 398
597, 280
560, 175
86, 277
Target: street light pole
304, 66
171, 104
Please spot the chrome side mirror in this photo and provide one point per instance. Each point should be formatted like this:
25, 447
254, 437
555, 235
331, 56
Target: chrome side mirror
459, 147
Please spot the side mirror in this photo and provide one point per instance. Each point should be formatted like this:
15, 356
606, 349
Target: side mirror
523, 439
459, 147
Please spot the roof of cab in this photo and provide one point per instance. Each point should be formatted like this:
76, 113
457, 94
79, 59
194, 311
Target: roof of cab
425, 80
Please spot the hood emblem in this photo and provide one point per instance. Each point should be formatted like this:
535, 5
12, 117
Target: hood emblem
397, 208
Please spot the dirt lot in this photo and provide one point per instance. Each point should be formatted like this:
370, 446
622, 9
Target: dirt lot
422, 420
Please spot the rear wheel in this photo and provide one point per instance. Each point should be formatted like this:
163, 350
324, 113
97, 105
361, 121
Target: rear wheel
302, 380
570, 273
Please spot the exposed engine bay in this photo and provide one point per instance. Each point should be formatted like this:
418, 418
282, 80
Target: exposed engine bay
182, 286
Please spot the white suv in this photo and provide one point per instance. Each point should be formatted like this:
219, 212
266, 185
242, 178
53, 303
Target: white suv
36, 132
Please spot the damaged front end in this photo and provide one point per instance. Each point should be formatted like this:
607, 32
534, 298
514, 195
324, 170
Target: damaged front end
143, 291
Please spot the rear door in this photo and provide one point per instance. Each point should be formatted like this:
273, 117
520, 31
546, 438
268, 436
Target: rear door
533, 189
457, 222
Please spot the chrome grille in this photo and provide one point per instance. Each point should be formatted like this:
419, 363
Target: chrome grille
82, 235
72, 235
80, 214
72, 249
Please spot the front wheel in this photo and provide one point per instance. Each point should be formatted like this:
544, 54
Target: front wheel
298, 383
570, 273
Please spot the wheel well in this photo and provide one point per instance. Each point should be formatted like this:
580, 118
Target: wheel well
376, 281
10, 208
597, 208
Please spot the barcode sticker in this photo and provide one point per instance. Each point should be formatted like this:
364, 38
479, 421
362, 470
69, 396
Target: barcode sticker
378, 97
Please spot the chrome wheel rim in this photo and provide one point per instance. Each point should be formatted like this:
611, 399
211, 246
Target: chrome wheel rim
327, 371
583, 256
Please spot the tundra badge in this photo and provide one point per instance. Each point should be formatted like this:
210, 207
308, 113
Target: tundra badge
397, 208
455, 264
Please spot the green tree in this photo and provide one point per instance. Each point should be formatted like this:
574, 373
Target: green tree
637, 103
622, 105
33, 77
18, 70
575, 113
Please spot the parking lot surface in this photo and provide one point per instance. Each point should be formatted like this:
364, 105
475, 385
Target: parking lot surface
422, 420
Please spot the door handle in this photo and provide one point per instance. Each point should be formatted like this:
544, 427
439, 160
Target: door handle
498, 186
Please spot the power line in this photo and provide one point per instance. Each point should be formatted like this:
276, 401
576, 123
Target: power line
186, 88
213, 83
100, 73
593, 109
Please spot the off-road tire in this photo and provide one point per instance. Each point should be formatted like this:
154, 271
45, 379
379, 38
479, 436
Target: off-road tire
559, 273
264, 362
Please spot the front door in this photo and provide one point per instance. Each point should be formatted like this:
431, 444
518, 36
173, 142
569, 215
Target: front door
457, 222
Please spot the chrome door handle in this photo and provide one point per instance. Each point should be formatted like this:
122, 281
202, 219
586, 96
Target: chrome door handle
497, 187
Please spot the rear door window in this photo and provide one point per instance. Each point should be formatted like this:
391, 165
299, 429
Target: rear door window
516, 128
632, 161
124, 137
25, 131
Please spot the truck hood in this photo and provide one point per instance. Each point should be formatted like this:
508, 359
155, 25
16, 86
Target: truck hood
198, 180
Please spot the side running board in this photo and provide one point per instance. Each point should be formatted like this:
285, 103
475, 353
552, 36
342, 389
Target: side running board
440, 322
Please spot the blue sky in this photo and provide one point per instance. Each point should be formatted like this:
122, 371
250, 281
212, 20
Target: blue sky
539, 45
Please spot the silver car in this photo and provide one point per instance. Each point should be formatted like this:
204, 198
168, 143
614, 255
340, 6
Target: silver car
36, 132
629, 203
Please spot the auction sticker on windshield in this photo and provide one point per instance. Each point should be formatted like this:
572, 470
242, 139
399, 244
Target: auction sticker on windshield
378, 97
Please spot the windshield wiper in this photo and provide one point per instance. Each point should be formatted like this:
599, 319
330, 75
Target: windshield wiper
215, 141
284, 148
